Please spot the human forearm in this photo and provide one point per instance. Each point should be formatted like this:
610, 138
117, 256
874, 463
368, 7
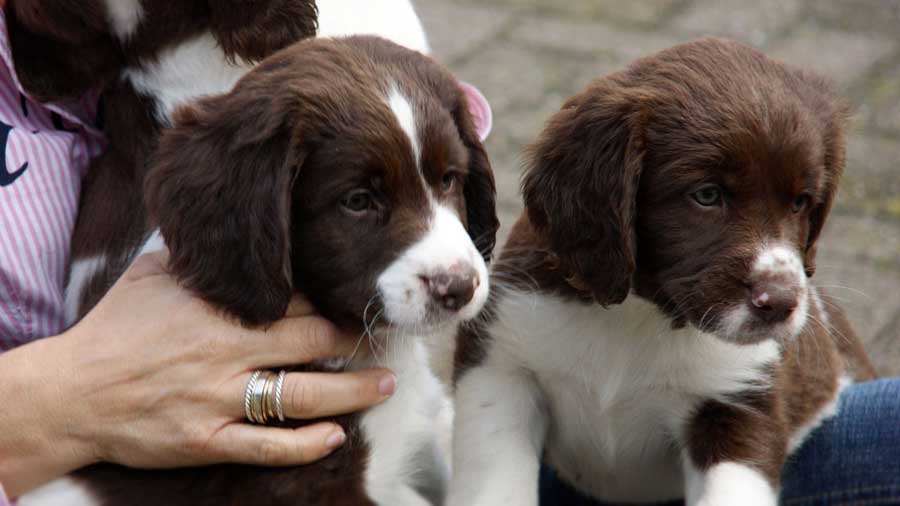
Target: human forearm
37, 440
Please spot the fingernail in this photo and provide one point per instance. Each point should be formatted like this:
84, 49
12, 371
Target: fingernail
336, 439
387, 385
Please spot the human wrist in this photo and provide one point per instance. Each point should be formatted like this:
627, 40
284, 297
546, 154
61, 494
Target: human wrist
41, 439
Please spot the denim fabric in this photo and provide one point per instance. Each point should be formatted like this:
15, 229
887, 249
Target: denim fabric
851, 460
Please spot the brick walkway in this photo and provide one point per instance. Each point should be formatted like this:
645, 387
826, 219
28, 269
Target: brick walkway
528, 56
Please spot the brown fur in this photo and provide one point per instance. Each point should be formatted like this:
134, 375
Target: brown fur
246, 189
609, 215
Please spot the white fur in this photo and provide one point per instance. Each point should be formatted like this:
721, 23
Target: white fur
405, 296
186, 72
401, 432
403, 112
395, 20
729, 484
124, 16
60, 492
154, 242
80, 273
617, 386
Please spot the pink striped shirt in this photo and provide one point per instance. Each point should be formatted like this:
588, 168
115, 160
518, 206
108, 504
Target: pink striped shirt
48, 148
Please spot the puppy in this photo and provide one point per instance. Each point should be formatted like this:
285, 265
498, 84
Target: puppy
349, 170
657, 334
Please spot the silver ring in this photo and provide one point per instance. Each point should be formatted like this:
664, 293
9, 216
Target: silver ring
258, 398
248, 394
279, 385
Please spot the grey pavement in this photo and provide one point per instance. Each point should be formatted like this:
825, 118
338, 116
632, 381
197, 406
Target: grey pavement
528, 56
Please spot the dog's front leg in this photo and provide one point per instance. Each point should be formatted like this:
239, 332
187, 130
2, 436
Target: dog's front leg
733, 453
497, 439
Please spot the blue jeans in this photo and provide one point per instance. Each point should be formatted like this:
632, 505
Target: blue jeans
851, 460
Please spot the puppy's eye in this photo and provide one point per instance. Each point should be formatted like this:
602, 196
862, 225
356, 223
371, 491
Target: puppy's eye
357, 201
708, 196
448, 181
800, 203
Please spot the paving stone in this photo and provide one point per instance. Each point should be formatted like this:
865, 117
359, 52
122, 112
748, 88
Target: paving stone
871, 184
454, 30
756, 22
595, 37
842, 56
879, 98
641, 12
858, 269
858, 15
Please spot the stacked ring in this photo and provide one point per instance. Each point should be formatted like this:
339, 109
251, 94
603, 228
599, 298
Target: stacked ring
262, 398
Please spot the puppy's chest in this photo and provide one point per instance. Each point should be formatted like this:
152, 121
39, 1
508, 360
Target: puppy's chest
618, 385
399, 431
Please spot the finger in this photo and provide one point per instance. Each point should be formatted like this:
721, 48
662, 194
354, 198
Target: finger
314, 395
242, 443
299, 306
308, 395
298, 341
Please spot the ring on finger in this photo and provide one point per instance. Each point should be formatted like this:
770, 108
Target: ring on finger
263, 396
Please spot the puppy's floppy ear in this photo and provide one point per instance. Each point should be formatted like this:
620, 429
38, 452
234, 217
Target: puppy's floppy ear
581, 184
472, 115
220, 190
252, 30
835, 143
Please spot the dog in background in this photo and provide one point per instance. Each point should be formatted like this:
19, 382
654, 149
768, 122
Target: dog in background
352, 171
657, 334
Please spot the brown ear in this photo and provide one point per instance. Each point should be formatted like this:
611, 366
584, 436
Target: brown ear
61, 48
835, 157
253, 30
220, 190
480, 191
580, 187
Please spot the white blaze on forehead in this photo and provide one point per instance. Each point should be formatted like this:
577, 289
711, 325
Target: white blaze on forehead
403, 111
124, 16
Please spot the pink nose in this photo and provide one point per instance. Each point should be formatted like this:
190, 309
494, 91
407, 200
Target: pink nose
773, 300
452, 288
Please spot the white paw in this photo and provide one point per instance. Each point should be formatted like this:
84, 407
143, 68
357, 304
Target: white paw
731, 484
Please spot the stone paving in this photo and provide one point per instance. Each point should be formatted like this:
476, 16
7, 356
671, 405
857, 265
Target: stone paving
528, 56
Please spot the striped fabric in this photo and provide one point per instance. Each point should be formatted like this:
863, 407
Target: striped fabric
47, 150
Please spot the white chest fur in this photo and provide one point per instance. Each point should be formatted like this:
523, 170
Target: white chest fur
617, 385
406, 465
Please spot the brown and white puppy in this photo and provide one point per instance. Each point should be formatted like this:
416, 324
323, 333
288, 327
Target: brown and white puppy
657, 335
352, 171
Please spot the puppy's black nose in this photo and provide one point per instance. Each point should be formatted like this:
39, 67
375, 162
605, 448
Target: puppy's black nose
452, 288
773, 301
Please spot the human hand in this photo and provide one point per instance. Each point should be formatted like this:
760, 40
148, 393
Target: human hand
161, 376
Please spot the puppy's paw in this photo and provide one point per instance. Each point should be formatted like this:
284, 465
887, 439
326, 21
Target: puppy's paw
730, 484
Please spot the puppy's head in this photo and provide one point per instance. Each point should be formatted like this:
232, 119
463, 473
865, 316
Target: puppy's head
700, 178
65, 47
349, 170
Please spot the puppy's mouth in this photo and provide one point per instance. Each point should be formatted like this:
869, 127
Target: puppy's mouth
429, 302
753, 321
